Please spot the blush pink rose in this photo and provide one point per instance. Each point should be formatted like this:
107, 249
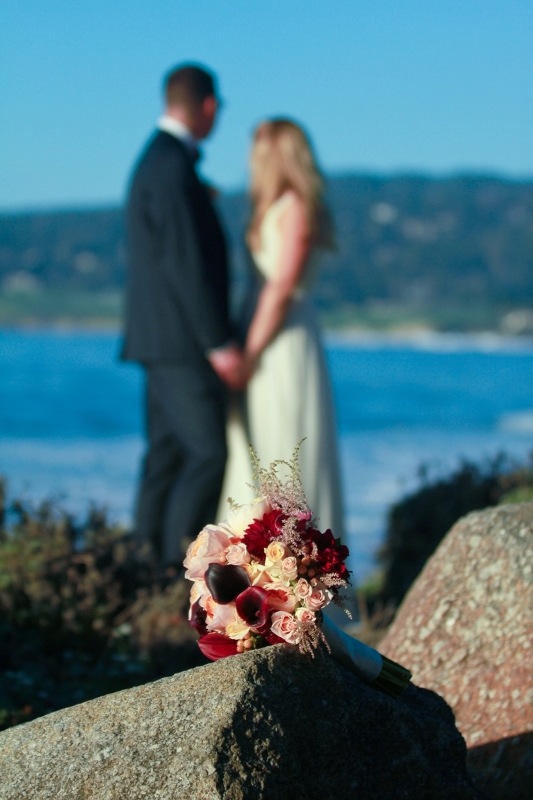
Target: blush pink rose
289, 568
285, 626
209, 547
317, 599
305, 615
219, 617
199, 593
209, 605
302, 589
279, 598
237, 554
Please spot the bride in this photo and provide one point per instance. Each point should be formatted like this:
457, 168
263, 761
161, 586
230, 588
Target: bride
288, 396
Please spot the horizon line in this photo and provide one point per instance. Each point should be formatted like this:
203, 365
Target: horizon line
54, 207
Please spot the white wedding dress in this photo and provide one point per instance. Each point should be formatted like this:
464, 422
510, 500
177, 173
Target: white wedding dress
288, 399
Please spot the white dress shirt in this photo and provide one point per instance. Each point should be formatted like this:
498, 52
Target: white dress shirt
179, 130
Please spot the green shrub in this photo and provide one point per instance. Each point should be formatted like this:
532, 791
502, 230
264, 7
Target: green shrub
417, 523
82, 612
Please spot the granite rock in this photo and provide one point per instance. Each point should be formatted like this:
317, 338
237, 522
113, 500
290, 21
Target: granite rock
465, 630
267, 725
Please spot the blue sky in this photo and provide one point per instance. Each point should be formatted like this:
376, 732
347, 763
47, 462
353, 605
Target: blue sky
433, 86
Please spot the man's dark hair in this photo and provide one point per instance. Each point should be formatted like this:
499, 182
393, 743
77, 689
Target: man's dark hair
188, 84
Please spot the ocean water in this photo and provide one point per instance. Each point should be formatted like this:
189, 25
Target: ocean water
71, 418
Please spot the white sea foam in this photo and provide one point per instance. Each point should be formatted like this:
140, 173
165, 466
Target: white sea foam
432, 341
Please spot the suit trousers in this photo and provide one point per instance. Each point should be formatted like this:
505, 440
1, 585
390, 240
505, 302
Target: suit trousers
183, 468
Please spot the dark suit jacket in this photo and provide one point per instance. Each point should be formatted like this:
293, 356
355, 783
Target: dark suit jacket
177, 285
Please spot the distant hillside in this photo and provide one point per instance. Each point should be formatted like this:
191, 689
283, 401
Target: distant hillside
454, 253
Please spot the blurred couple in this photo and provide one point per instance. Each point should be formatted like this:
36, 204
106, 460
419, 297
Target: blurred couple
177, 324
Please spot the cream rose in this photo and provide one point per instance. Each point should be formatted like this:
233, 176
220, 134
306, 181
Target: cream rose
275, 552
237, 629
257, 574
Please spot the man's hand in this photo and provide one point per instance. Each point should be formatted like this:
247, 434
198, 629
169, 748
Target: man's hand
228, 363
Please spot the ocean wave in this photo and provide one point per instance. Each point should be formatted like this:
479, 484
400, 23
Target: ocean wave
432, 341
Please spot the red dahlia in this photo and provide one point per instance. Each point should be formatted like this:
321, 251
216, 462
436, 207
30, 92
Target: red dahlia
261, 532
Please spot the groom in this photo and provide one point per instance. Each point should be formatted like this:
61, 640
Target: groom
177, 321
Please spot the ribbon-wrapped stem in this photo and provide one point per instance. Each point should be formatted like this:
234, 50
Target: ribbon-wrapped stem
372, 667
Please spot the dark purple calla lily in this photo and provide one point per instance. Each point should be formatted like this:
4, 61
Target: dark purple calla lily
216, 645
226, 581
197, 618
251, 606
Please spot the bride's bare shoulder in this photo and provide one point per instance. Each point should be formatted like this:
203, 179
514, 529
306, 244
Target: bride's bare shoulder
292, 212
290, 199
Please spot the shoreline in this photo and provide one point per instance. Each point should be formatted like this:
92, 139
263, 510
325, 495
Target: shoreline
419, 336
429, 339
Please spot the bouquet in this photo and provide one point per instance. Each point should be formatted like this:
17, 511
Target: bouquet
265, 574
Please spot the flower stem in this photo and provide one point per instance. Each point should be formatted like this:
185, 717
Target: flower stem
393, 678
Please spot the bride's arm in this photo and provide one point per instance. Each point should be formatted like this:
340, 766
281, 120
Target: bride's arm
276, 295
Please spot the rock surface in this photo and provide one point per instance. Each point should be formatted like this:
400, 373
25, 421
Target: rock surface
267, 725
466, 631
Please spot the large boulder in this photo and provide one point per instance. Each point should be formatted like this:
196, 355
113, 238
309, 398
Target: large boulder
269, 724
466, 631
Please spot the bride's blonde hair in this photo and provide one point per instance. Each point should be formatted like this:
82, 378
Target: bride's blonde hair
282, 159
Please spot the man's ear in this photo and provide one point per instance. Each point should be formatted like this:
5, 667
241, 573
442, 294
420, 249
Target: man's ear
210, 105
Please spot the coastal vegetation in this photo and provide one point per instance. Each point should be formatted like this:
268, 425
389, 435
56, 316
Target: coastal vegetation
82, 613
449, 253
418, 522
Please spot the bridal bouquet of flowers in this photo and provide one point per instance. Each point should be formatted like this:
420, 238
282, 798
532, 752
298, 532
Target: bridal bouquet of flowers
264, 576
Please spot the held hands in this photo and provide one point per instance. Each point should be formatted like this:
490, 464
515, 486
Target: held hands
228, 363
234, 366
